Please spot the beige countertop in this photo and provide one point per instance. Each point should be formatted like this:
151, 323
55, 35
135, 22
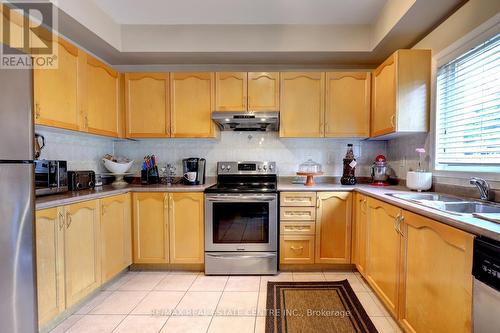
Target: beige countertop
461, 221
70, 197
464, 222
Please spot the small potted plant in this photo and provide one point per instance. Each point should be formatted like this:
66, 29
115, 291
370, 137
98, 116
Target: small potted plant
420, 179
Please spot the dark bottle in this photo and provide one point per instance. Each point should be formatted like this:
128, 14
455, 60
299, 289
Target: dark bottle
348, 177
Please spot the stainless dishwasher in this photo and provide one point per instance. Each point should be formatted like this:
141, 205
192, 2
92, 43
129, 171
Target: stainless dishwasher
486, 293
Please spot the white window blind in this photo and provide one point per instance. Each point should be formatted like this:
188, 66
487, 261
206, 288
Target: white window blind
468, 109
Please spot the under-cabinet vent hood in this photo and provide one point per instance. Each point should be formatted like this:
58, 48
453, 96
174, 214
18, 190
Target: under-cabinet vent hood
247, 121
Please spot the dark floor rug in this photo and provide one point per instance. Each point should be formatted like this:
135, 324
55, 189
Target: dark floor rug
302, 307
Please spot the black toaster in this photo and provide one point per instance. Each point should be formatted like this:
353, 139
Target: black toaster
81, 180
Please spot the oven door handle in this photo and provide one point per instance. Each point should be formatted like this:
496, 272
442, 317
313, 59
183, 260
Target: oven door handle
225, 256
266, 198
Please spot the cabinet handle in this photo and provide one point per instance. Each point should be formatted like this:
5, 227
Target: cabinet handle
300, 248
318, 202
401, 219
392, 121
103, 209
61, 221
86, 121
68, 220
37, 111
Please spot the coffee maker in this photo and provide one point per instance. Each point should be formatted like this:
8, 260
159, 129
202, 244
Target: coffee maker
193, 169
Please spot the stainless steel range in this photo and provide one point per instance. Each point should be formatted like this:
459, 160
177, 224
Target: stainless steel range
241, 219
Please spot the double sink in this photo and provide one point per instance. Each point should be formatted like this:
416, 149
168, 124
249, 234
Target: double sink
448, 203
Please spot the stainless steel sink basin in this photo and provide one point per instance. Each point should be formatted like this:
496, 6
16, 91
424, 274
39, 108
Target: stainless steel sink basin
448, 203
426, 197
471, 207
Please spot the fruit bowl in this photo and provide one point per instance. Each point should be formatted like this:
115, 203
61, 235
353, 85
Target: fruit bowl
115, 167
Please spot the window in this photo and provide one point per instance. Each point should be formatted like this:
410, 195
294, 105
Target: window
468, 110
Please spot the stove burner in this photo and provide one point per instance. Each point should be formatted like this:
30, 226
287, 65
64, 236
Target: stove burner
245, 177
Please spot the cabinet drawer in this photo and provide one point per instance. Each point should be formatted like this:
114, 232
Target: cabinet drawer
301, 199
298, 228
298, 213
296, 249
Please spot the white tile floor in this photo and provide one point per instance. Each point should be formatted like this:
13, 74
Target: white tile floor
192, 302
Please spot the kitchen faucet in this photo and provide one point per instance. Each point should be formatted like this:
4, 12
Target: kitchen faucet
484, 189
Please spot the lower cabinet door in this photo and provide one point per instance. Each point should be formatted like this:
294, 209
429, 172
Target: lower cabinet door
186, 228
333, 228
360, 221
437, 282
383, 252
296, 249
81, 250
116, 235
150, 228
50, 263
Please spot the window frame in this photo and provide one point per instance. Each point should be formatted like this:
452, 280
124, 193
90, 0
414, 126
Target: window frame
455, 50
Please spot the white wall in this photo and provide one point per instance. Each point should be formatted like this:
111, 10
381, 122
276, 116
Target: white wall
466, 23
234, 146
82, 151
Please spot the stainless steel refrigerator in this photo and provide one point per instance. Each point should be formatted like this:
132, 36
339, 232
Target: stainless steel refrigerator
18, 309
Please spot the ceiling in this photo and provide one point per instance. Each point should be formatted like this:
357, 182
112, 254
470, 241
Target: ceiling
242, 11
261, 33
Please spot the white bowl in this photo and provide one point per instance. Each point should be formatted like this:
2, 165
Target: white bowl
418, 180
115, 167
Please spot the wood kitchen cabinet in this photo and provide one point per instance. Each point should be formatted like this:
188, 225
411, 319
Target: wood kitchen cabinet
186, 221
263, 91
147, 105
401, 94
359, 225
116, 235
230, 91
302, 104
347, 107
436, 284
383, 252
49, 230
150, 228
82, 260
333, 228
297, 249
56, 91
102, 94
192, 100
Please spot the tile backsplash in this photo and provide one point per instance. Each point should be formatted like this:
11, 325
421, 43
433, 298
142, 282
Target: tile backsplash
229, 146
82, 151
402, 156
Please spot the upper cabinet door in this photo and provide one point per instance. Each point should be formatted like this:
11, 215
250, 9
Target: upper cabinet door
384, 98
147, 105
302, 104
264, 91
56, 91
401, 89
102, 102
231, 91
191, 104
347, 104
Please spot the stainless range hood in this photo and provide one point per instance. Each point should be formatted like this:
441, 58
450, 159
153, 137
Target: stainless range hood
247, 121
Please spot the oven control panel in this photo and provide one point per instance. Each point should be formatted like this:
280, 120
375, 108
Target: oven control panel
246, 168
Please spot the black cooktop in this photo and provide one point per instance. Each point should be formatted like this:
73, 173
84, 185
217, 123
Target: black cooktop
244, 184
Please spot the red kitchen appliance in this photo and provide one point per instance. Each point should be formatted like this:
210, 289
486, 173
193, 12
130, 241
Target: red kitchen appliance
379, 171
